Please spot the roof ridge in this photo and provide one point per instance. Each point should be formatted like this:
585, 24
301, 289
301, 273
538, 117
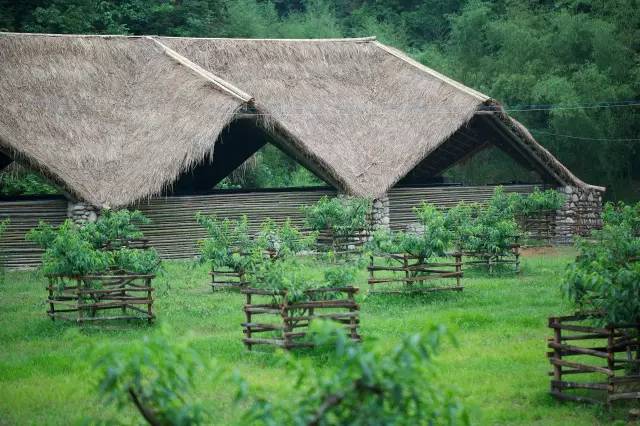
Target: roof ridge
311, 40
220, 83
315, 40
400, 55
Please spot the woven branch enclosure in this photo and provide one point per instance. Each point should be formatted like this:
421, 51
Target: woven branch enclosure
227, 279
104, 297
342, 244
137, 243
511, 256
603, 362
413, 272
287, 322
540, 226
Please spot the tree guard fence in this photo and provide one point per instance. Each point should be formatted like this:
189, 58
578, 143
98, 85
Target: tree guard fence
287, 321
112, 296
225, 278
594, 364
413, 272
510, 256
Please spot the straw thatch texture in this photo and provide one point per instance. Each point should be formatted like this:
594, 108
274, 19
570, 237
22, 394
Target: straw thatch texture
118, 119
366, 116
113, 120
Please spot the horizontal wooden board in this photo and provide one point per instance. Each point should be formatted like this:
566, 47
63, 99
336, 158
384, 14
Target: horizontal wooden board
174, 231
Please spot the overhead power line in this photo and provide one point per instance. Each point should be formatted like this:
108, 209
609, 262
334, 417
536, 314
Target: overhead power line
584, 138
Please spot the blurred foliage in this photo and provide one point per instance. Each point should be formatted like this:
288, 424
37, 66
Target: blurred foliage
362, 386
566, 52
354, 385
157, 375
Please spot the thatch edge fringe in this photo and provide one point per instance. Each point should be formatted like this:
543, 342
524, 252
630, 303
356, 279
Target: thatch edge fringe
398, 54
7, 149
218, 82
526, 138
297, 149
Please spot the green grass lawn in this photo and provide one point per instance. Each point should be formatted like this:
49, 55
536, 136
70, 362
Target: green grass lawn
498, 367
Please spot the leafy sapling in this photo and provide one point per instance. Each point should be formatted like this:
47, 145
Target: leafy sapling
362, 386
157, 375
605, 277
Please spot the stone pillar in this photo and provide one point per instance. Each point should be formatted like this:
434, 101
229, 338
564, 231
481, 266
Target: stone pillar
81, 212
380, 213
581, 213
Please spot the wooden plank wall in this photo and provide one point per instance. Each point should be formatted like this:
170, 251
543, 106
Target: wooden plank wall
403, 200
25, 215
174, 231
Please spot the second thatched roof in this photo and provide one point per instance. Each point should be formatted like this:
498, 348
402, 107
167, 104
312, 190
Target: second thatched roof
118, 119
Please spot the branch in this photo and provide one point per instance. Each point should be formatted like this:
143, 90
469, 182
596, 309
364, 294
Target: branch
148, 415
335, 399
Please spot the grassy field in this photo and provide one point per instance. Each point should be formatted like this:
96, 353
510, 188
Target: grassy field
498, 367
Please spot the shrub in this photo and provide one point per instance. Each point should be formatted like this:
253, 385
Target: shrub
283, 240
432, 238
72, 250
487, 230
116, 227
363, 387
68, 251
228, 242
605, 276
157, 376
345, 216
539, 201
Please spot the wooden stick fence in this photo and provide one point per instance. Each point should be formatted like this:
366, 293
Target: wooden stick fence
290, 320
608, 358
227, 279
490, 260
83, 298
412, 270
342, 244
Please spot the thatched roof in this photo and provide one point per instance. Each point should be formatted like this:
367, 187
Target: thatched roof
117, 119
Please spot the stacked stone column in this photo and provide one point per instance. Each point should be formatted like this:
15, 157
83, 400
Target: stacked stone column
81, 212
380, 213
581, 213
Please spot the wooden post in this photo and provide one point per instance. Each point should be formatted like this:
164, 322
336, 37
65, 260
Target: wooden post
516, 253
557, 353
610, 361
287, 325
372, 272
352, 318
79, 301
147, 282
51, 304
248, 317
405, 265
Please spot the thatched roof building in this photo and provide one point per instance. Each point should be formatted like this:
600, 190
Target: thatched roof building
116, 119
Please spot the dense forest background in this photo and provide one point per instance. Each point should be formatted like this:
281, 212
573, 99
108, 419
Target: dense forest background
568, 69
